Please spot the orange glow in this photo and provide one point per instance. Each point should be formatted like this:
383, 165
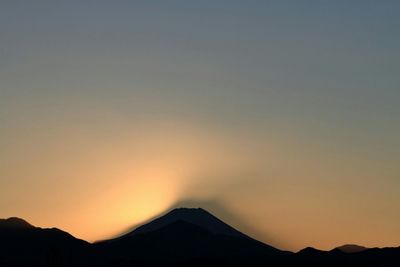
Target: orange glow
98, 186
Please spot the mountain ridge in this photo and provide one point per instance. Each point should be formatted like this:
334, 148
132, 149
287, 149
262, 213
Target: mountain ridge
180, 237
15, 222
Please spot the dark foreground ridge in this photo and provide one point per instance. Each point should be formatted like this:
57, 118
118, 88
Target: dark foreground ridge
181, 237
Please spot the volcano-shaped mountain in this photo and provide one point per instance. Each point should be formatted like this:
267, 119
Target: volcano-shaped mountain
198, 217
181, 237
186, 236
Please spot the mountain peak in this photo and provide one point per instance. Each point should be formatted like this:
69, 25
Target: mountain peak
186, 235
309, 250
187, 210
195, 216
15, 222
351, 248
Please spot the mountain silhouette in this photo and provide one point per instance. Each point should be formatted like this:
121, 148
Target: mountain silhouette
195, 216
186, 236
22, 244
14, 223
351, 248
182, 237
347, 255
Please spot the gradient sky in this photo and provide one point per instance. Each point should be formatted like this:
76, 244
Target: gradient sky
281, 117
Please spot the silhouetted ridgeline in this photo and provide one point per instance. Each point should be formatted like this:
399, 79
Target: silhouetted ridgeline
182, 237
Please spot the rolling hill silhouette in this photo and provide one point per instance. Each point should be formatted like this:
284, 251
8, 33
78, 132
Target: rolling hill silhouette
383, 257
181, 237
22, 244
351, 248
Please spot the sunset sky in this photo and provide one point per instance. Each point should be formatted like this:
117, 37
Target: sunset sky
280, 117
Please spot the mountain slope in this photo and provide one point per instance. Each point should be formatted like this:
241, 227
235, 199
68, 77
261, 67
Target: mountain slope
182, 237
14, 223
186, 236
22, 244
196, 216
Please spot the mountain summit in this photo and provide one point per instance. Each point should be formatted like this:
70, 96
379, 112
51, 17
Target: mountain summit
14, 223
186, 236
196, 216
351, 248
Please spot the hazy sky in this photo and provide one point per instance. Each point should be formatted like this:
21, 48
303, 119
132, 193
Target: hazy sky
282, 117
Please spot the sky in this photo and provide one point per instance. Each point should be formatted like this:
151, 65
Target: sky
280, 117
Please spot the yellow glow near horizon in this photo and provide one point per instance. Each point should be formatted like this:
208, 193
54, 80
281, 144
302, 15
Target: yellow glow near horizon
130, 199
98, 186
